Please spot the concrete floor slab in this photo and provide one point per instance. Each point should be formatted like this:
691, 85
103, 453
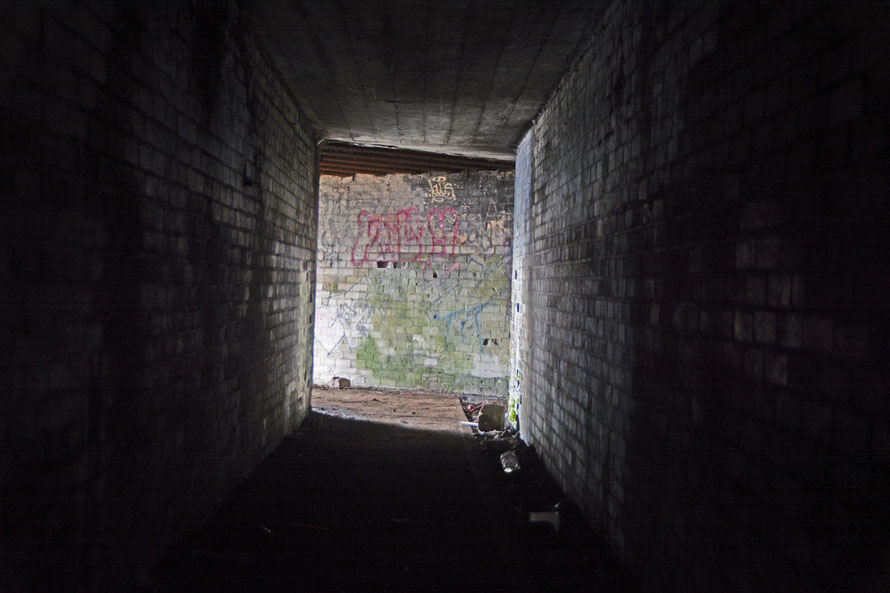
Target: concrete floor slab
400, 502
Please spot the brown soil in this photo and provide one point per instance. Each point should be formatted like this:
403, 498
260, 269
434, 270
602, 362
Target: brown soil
423, 410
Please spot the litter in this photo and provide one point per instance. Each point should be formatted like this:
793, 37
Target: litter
491, 417
509, 462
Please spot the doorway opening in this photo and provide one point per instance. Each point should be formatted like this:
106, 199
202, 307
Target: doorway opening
414, 267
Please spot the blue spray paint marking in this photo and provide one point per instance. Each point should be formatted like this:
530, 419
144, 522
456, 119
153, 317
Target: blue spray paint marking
463, 316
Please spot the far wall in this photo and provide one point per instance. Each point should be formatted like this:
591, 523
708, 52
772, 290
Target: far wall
413, 284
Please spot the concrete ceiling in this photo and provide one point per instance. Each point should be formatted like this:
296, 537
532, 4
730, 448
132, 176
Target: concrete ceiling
454, 76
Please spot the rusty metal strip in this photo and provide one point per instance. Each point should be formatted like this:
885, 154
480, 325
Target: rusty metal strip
348, 159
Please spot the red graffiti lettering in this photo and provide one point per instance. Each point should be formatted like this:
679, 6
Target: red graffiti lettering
385, 237
366, 238
443, 224
410, 234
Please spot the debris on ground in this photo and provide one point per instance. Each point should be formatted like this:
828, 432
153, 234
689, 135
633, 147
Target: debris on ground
473, 409
280, 530
489, 414
340, 383
491, 417
425, 410
509, 461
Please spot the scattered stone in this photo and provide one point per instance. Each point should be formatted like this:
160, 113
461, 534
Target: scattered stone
491, 417
340, 383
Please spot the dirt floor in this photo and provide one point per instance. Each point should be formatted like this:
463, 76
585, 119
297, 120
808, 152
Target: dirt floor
423, 410
388, 491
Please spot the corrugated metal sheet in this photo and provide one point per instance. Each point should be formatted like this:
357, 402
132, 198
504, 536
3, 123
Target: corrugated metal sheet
343, 159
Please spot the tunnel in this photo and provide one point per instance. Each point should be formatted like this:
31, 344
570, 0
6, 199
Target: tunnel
658, 231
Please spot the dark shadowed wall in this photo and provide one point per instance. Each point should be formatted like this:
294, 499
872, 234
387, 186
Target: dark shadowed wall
158, 246
705, 359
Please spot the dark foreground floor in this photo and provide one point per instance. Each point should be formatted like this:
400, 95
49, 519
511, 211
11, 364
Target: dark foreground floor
350, 505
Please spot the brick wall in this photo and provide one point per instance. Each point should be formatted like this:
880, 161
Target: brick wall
413, 284
158, 249
706, 364
520, 324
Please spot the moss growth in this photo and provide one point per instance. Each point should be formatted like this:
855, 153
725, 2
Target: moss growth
397, 358
368, 354
512, 408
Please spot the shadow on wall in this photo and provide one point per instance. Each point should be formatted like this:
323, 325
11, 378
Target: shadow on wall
142, 283
758, 451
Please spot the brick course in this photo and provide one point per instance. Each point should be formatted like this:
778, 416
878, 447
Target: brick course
707, 280
413, 285
520, 324
159, 232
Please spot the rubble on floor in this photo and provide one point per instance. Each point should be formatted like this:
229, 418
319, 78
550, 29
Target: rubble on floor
340, 383
551, 543
491, 417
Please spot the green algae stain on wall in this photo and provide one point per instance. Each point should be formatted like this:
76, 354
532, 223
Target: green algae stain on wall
368, 354
390, 356
403, 354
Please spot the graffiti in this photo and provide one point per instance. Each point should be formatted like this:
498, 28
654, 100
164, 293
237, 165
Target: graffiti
508, 256
457, 322
440, 189
414, 289
488, 239
327, 242
329, 346
345, 313
335, 325
404, 236
381, 237
494, 280
443, 225
495, 226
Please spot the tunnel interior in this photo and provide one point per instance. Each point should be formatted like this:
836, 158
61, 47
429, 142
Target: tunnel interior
659, 228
